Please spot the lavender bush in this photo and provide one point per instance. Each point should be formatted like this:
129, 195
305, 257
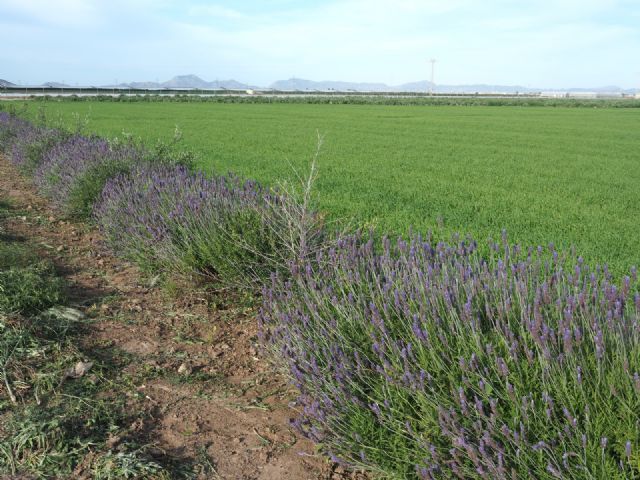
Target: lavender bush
72, 169
8, 129
428, 361
27, 143
168, 218
73, 172
163, 216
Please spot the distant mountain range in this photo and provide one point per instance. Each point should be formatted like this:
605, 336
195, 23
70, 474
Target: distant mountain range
426, 86
300, 84
188, 81
180, 81
55, 85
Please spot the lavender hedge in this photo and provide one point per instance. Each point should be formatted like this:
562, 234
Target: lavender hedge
163, 216
167, 218
9, 125
429, 361
73, 172
25, 142
72, 169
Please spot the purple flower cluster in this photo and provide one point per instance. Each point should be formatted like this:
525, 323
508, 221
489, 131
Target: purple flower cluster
67, 161
166, 217
25, 142
429, 360
159, 214
10, 125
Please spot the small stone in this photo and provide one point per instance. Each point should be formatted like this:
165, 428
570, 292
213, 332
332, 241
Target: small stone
78, 370
60, 248
113, 440
185, 369
67, 313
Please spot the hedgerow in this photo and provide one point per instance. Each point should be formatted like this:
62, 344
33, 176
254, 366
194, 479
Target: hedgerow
417, 99
167, 218
428, 360
73, 172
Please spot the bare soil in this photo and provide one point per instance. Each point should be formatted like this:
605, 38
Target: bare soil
209, 393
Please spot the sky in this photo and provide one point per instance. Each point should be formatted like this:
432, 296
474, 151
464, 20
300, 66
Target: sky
532, 43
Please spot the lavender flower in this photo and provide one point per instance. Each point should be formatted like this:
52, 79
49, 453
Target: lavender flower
532, 322
69, 162
166, 217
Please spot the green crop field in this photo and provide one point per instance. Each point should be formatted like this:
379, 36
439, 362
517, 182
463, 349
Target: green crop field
562, 175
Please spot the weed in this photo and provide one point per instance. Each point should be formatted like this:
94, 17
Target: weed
14, 254
30, 289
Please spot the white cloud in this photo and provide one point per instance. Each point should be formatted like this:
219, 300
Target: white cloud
59, 13
498, 41
207, 12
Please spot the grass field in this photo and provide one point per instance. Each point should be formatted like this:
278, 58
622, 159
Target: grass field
568, 176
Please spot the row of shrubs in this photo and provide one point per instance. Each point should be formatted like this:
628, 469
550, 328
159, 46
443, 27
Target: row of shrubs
151, 204
413, 358
362, 99
430, 360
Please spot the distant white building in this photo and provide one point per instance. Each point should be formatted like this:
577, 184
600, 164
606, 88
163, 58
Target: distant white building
553, 94
562, 94
584, 95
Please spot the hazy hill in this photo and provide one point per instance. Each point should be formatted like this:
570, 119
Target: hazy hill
483, 88
192, 81
55, 85
420, 86
229, 85
415, 87
186, 81
301, 84
140, 85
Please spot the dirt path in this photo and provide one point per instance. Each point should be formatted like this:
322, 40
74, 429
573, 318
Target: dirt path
210, 398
